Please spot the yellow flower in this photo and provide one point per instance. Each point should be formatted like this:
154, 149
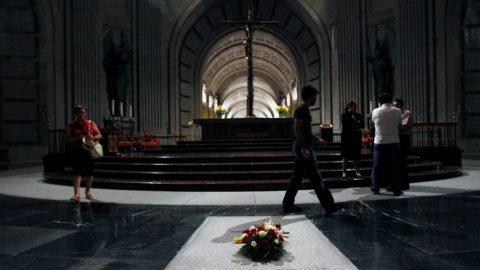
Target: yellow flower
237, 240
190, 123
221, 110
281, 109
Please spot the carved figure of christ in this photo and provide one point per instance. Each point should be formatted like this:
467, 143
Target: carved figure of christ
249, 27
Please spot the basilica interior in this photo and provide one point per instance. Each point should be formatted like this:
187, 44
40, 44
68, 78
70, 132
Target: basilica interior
181, 60
195, 102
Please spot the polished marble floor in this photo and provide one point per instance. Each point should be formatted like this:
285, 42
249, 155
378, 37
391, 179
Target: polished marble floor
409, 232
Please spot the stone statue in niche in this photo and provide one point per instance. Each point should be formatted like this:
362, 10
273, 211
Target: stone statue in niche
381, 54
117, 62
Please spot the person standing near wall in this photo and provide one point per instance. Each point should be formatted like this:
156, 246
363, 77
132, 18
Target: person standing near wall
386, 145
352, 125
82, 163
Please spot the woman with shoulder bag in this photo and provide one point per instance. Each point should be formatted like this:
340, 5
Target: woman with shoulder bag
82, 162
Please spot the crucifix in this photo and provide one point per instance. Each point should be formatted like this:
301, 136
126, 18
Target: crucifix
249, 26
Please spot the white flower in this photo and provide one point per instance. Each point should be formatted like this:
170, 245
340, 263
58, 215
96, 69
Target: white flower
269, 226
244, 235
280, 232
254, 244
277, 241
262, 233
252, 228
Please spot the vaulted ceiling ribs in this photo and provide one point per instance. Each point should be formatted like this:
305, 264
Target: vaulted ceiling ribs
213, 54
226, 64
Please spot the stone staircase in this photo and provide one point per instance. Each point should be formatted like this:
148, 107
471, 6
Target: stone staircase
237, 165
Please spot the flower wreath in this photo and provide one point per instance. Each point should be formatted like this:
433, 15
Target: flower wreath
262, 242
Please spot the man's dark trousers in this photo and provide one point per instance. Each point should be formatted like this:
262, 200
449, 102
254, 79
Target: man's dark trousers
405, 141
309, 166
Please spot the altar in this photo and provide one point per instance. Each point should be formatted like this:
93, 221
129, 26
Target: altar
246, 128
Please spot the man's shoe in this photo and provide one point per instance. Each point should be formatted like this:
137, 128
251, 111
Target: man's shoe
376, 192
389, 188
338, 207
398, 193
293, 209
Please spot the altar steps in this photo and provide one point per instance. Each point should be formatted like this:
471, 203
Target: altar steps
234, 147
248, 166
252, 184
236, 175
216, 167
235, 165
221, 157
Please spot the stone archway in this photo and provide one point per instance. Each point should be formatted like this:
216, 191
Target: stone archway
225, 65
298, 32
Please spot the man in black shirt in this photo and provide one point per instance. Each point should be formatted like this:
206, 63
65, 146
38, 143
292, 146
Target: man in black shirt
305, 158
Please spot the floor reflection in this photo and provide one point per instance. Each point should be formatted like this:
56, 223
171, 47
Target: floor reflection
438, 232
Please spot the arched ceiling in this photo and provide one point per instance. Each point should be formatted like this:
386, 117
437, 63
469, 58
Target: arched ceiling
206, 52
224, 72
236, 97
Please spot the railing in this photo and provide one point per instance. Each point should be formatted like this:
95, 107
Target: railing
438, 134
168, 139
57, 144
56, 141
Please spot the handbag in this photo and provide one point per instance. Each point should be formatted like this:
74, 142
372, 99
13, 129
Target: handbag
94, 148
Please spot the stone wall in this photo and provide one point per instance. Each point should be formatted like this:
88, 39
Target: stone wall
51, 59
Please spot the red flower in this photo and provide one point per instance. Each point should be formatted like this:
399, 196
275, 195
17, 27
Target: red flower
281, 238
278, 226
253, 231
250, 234
244, 239
246, 231
266, 243
260, 228
272, 232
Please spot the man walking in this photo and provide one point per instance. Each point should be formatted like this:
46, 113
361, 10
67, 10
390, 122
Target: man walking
386, 145
305, 158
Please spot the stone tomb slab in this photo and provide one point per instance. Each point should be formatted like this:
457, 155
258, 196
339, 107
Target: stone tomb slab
212, 247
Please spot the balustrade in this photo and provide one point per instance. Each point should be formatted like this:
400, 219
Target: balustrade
113, 139
435, 134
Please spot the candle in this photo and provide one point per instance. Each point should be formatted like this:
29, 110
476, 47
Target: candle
113, 107
130, 110
371, 106
121, 109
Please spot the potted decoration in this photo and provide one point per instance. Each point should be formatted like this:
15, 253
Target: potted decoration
220, 111
282, 110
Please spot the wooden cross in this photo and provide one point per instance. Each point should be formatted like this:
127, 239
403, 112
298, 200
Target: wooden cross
249, 26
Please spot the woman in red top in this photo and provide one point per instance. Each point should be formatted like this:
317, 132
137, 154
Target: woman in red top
82, 163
